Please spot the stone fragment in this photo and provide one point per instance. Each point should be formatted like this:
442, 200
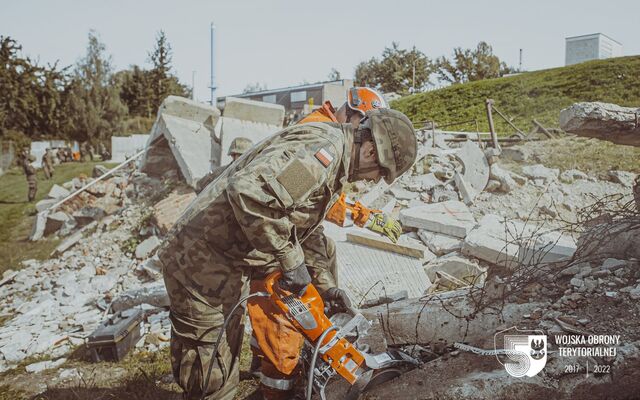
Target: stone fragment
493, 186
441, 194
98, 171
449, 217
55, 221
452, 271
516, 153
438, 243
425, 182
602, 121
43, 365
475, 165
45, 204
539, 171
403, 194
622, 177
507, 183
87, 215
571, 175
467, 193
144, 249
167, 211
57, 192
154, 294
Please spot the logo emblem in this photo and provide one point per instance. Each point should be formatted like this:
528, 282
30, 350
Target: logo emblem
526, 351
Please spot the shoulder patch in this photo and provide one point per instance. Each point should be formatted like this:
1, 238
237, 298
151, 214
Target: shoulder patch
296, 180
324, 156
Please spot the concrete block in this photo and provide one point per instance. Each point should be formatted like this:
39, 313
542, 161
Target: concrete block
414, 322
360, 268
449, 217
539, 171
188, 109
475, 165
55, 221
493, 240
460, 268
438, 243
37, 231
546, 247
507, 183
254, 111
467, 193
167, 211
57, 192
144, 249
45, 204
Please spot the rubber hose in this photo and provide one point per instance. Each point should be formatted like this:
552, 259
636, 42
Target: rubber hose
313, 361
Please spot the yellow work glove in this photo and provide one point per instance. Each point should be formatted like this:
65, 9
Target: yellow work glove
385, 225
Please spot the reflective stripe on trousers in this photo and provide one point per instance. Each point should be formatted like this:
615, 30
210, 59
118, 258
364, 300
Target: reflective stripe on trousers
278, 384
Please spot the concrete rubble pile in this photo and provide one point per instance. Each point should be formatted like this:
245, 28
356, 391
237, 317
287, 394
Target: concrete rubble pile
471, 221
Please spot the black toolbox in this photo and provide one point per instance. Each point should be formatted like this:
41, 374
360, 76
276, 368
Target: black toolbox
113, 339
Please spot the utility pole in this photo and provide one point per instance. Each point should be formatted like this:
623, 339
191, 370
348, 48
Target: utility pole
213, 67
193, 85
520, 65
413, 84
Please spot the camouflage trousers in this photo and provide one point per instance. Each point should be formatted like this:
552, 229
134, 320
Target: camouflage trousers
196, 320
48, 171
33, 187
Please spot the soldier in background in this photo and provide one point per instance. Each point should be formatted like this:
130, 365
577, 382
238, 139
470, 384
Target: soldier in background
236, 149
47, 164
30, 173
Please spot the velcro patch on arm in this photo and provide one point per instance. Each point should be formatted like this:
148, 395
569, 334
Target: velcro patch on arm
297, 180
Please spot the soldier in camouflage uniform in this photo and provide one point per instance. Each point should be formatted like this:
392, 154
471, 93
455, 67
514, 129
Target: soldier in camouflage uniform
30, 173
47, 164
256, 218
236, 149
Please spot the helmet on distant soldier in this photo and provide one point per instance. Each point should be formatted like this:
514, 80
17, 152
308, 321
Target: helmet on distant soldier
239, 146
395, 141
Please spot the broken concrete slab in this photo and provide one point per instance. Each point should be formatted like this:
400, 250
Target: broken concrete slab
154, 294
57, 192
571, 175
518, 154
144, 249
539, 171
55, 221
440, 244
87, 215
44, 204
255, 120
507, 183
99, 170
435, 318
186, 127
475, 165
366, 273
37, 231
443, 193
167, 211
453, 271
467, 193
508, 243
403, 194
622, 177
449, 217
494, 241
604, 121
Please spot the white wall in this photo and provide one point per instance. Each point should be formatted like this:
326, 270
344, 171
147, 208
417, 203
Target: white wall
123, 147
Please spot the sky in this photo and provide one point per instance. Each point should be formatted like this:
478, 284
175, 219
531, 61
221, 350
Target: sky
281, 43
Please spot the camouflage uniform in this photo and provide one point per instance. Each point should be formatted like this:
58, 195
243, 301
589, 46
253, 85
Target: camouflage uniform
47, 165
32, 181
259, 215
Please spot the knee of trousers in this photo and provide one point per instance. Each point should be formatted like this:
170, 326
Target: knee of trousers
190, 364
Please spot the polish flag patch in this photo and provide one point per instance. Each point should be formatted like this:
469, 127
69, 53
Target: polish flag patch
324, 157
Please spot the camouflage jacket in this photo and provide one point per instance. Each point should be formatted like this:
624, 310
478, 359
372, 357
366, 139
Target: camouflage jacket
263, 206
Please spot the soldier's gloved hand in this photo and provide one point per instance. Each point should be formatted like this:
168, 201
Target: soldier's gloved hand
384, 224
296, 280
335, 301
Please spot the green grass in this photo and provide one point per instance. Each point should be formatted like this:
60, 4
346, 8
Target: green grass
540, 95
17, 215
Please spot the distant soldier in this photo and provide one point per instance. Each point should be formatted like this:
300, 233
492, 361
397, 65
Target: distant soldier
30, 173
237, 148
47, 164
90, 150
104, 153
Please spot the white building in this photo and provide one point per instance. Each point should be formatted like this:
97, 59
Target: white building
596, 46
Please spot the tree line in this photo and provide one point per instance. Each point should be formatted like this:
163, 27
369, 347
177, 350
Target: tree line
409, 70
88, 101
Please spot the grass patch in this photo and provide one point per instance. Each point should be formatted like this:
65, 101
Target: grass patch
539, 94
17, 215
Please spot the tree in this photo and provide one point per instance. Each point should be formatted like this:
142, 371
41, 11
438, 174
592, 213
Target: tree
471, 65
94, 98
162, 82
334, 75
400, 70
